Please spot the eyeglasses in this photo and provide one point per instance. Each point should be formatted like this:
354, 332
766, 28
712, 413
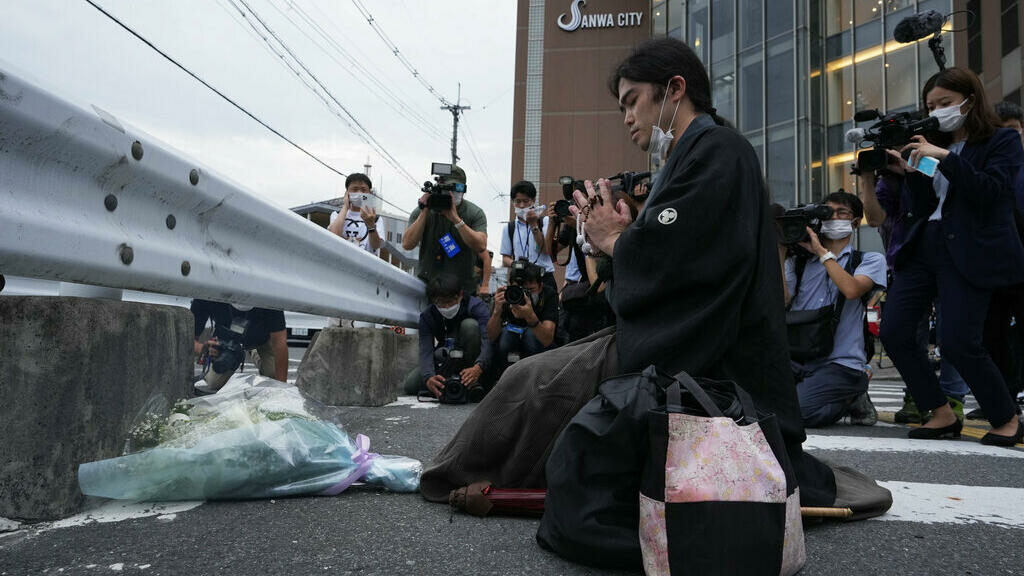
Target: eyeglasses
843, 213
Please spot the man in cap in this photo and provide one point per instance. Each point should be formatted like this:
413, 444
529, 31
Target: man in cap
449, 240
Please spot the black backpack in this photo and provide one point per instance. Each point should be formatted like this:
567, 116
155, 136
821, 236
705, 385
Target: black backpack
812, 333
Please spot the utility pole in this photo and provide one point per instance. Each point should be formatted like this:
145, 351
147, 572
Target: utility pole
456, 109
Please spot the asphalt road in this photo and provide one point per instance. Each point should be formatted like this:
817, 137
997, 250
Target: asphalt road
959, 510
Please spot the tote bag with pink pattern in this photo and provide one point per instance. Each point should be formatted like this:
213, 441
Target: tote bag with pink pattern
718, 495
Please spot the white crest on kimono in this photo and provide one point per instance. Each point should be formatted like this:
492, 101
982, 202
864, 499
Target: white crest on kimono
667, 216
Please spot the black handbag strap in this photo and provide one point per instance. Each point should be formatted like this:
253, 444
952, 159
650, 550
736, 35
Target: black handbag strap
674, 399
800, 265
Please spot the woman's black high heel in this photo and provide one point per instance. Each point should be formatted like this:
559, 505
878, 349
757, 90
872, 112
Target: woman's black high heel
1005, 441
953, 429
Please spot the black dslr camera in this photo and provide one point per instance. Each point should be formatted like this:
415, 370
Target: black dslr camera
440, 199
454, 391
230, 346
793, 223
890, 132
520, 272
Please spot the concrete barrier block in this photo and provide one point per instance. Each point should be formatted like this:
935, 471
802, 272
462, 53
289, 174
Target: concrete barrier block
74, 374
355, 366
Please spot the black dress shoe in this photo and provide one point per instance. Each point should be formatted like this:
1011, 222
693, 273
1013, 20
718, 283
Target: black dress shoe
1005, 441
922, 433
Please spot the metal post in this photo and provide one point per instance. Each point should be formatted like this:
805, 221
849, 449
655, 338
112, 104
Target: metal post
456, 109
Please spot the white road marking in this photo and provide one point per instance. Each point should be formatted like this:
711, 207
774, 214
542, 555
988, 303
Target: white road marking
412, 402
869, 444
955, 504
117, 511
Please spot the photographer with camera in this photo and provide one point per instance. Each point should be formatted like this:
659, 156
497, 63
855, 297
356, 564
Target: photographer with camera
960, 243
453, 343
357, 221
828, 279
238, 329
582, 311
449, 230
529, 234
525, 316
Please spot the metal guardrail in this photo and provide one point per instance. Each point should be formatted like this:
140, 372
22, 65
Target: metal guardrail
87, 199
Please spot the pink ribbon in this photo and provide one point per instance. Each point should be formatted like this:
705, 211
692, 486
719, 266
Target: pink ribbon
362, 458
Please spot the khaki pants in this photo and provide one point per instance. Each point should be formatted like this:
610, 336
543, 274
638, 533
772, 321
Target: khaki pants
262, 357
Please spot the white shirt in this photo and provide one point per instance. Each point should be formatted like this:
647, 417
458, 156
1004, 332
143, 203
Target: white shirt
572, 269
524, 245
941, 185
356, 231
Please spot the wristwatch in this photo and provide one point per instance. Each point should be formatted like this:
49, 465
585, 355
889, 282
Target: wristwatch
826, 257
369, 230
460, 224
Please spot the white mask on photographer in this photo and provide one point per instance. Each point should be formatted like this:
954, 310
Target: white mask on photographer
950, 118
450, 311
837, 229
457, 197
661, 140
522, 212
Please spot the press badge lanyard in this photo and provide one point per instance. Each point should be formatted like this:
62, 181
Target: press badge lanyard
524, 247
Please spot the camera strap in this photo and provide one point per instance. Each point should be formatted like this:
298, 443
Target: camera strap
800, 266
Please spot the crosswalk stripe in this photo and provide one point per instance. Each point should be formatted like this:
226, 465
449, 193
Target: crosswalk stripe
876, 444
954, 504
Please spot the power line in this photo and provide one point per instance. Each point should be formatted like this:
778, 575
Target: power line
398, 53
214, 90
380, 148
381, 91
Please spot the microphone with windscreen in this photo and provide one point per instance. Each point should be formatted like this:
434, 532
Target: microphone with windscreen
919, 26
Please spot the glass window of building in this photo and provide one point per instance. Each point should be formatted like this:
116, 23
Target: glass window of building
838, 16
779, 80
866, 10
869, 79
751, 91
900, 79
779, 19
756, 140
750, 22
782, 165
723, 43
659, 18
723, 88
840, 93
697, 36
1011, 27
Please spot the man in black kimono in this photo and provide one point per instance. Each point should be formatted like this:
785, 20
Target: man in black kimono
695, 283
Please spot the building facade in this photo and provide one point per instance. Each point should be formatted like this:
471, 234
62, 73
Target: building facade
788, 74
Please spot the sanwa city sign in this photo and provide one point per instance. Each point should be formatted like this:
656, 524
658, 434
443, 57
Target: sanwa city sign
606, 20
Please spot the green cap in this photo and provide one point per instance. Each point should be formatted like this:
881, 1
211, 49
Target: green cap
457, 175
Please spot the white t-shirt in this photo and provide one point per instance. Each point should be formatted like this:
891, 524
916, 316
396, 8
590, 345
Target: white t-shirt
356, 232
524, 245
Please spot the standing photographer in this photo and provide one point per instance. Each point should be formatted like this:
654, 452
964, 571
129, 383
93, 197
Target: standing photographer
238, 329
529, 235
835, 385
449, 240
357, 221
961, 243
525, 316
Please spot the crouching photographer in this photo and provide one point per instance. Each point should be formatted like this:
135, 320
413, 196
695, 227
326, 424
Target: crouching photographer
454, 349
825, 284
525, 316
239, 329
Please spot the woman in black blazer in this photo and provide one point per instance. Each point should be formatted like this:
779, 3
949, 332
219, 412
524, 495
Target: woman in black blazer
961, 242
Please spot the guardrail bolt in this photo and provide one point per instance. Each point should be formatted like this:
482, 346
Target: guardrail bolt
137, 150
127, 254
193, 176
171, 222
186, 268
110, 202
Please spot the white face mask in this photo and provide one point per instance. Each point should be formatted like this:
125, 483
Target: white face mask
522, 212
837, 229
241, 307
661, 140
358, 200
950, 118
457, 197
450, 311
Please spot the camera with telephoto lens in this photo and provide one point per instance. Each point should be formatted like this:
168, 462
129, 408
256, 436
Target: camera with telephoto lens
440, 199
454, 391
793, 223
890, 132
230, 347
518, 273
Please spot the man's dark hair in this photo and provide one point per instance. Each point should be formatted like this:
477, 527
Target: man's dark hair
531, 272
443, 286
524, 187
1007, 110
844, 198
358, 177
656, 61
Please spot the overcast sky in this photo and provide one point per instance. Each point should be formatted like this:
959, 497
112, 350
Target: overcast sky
68, 47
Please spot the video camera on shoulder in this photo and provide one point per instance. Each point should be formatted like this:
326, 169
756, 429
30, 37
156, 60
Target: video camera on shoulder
889, 133
793, 223
230, 346
440, 199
